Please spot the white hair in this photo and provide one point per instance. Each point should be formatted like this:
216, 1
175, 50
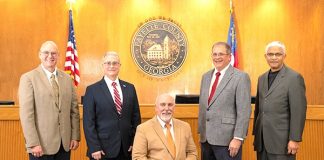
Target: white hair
276, 44
110, 53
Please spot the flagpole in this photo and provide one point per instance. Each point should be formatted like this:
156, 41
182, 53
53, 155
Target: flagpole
231, 6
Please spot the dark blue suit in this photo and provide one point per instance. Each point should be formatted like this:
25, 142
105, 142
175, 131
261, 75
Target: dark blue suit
104, 128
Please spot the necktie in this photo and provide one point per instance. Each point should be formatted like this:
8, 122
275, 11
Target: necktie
212, 92
55, 89
118, 103
171, 144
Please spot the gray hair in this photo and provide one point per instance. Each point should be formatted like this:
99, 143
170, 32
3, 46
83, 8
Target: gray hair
110, 53
226, 45
276, 44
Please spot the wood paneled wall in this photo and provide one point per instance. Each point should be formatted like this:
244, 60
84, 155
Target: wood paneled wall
12, 141
102, 25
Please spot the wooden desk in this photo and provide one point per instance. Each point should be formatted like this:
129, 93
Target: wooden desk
12, 141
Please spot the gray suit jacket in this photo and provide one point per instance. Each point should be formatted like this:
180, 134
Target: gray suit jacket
42, 122
229, 111
280, 111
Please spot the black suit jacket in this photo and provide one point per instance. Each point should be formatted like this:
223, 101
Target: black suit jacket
104, 128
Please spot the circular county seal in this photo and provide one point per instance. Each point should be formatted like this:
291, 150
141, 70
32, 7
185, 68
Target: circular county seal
159, 48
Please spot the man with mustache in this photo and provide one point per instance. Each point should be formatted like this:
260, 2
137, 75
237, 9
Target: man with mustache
224, 107
164, 137
280, 108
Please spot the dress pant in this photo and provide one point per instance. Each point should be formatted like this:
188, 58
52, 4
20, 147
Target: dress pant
264, 155
213, 152
121, 155
60, 155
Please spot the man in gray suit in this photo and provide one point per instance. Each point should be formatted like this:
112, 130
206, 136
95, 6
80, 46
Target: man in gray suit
280, 108
224, 107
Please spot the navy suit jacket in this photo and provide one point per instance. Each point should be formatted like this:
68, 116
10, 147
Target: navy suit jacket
104, 128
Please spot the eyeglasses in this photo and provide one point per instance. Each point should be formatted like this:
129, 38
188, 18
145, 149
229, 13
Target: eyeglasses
114, 63
166, 104
274, 54
219, 54
49, 53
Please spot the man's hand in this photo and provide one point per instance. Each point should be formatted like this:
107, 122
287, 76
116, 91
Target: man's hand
234, 147
97, 155
292, 147
74, 144
37, 151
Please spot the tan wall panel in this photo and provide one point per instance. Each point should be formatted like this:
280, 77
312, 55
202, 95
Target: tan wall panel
102, 25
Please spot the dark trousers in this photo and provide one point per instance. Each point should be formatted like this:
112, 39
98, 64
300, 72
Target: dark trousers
264, 155
60, 155
213, 152
121, 155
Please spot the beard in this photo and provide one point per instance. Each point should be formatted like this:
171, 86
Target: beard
166, 117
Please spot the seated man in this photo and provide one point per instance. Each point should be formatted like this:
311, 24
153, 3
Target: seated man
164, 137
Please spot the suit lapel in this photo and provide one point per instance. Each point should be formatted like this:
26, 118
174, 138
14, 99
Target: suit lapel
105, 89
44, 79
276, 81
221, 85
158, 130
177, 136
123, 87
61, 83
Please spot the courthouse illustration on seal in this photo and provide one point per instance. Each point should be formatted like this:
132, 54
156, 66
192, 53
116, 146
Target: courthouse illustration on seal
159, 48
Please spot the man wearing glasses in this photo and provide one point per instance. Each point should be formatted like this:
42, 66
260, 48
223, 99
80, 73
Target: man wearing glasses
49, 112
224, 107
110, 114
280, 108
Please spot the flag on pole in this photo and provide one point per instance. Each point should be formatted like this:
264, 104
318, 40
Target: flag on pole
231, 38
71, 66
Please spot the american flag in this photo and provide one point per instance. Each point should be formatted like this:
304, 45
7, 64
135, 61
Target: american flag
231, 38
71, 66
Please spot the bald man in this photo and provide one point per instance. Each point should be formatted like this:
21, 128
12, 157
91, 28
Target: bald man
164, 137
49, 112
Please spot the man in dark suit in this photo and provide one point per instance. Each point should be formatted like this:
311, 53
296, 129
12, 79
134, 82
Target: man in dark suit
280, 108
111, 114
49, 111
224, 107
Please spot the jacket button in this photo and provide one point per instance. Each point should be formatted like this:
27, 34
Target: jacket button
207, 119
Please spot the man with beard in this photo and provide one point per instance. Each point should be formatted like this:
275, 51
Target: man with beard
164, 137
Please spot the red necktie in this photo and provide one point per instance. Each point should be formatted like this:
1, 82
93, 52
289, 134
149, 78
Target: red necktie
118, 103
212, 92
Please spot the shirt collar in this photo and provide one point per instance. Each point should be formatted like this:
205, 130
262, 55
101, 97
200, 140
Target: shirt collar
109, 81
162, 123
48, 73
222, 72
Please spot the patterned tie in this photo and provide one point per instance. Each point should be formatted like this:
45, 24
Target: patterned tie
212, 92
118, 103
55, 89
171, 144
